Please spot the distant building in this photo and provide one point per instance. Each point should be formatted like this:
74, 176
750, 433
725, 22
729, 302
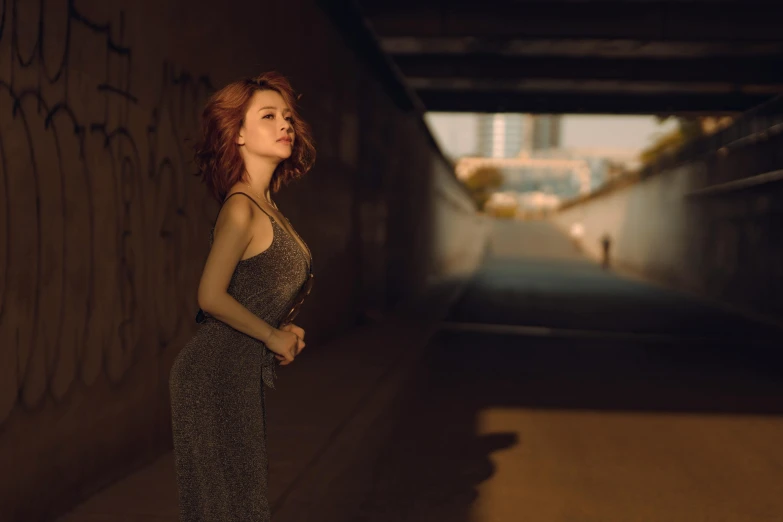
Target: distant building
528, 150
546, 132
502, 135
510, 135
604, 163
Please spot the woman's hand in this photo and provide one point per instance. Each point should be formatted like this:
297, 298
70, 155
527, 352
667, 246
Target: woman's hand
284, 345
300, 344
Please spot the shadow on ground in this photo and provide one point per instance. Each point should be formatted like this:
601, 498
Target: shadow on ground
585, 429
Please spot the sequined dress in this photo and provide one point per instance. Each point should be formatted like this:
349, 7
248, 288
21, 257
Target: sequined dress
216, 387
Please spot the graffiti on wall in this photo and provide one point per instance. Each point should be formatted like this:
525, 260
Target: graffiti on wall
100, 217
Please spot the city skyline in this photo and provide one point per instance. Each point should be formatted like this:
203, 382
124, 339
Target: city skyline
459, 134
560, 156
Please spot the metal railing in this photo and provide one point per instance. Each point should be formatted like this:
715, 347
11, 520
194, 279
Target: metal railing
752, 126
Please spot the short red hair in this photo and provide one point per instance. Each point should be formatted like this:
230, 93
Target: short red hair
217, 153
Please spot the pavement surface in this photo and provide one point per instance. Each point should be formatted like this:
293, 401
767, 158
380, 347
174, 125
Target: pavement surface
557, 391
551, 391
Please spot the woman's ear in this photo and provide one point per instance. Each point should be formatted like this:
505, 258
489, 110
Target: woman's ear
241, 136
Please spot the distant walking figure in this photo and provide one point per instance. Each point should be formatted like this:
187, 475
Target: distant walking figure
256, 277
606, 245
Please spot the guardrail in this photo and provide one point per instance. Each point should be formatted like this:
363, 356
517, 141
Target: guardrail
755, 125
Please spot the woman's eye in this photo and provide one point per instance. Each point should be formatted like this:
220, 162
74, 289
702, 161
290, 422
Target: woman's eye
269, 116
290, 119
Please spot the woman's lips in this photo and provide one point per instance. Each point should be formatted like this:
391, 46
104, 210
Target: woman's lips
285, 140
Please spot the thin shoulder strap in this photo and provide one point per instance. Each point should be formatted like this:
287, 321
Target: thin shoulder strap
251, 199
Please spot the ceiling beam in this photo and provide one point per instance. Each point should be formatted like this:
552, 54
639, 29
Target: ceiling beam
579, 47
589, 87
749, 21
601, 103
745, 70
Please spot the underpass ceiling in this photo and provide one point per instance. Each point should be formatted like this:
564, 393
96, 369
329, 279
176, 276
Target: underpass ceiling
556, 56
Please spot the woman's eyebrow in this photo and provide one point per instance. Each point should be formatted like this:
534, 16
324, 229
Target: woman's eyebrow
275, 108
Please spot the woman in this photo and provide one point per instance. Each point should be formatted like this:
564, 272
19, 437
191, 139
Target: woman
255, 278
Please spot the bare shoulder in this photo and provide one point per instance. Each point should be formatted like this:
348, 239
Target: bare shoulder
235, 215
242, 216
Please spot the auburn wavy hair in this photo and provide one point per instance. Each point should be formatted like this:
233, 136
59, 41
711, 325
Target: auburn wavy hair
217, 154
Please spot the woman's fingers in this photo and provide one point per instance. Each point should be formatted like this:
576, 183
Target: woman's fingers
294, 350
296, 330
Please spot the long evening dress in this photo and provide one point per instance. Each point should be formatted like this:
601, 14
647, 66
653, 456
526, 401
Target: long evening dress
217, 391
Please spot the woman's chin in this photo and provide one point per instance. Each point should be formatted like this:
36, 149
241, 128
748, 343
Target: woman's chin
277, 155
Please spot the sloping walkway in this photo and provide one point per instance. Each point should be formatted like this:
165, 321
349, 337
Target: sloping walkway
560, 392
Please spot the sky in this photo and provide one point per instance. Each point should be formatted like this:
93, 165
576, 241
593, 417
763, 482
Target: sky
598, 131
456, 131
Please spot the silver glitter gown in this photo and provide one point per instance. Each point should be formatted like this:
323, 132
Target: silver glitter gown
217, 392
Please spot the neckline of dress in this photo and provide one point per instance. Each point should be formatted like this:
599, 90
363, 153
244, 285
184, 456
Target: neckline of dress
293, 234
307, 256
304, 251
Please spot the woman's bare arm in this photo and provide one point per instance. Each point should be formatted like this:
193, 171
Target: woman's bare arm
232, 235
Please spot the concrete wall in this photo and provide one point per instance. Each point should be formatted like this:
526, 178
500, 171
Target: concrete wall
103, 231
695, 228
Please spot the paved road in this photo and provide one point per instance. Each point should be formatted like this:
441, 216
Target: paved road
589, 398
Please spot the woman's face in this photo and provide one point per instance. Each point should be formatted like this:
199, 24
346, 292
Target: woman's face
268, 130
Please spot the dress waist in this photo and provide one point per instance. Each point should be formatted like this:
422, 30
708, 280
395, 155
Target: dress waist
268, 361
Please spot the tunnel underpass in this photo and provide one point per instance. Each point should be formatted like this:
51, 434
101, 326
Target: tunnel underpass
459, 367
